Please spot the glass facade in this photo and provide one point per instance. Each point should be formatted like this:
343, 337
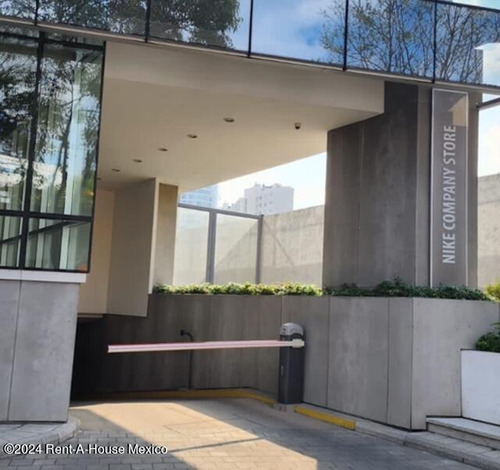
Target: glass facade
434, 40
49, 125
116, 16
214, 23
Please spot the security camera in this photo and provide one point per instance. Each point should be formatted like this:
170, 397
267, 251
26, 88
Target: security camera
298, 125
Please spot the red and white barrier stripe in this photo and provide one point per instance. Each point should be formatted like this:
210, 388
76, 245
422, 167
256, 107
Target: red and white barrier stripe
158, 347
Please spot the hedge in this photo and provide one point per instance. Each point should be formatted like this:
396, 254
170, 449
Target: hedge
493, 292
396, 288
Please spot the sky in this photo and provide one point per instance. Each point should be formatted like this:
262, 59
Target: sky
297, 34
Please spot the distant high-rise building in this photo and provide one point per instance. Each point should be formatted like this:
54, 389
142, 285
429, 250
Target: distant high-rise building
203, 197
264, 199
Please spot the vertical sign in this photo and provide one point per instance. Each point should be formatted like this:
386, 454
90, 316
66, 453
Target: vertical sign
449, 188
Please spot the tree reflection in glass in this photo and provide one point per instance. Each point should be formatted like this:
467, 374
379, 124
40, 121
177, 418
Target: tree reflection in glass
68, 121
118, 16
18, 8
17, 92
208, 22
397, 36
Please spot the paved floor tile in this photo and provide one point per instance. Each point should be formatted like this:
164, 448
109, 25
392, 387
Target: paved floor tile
220, 434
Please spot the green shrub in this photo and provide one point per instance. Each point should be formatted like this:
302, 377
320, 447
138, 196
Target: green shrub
396, 288
289, 288
493, 291
399, 288
490, 342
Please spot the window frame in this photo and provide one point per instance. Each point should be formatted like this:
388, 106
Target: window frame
26, 213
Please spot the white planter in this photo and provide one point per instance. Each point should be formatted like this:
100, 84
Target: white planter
481, 386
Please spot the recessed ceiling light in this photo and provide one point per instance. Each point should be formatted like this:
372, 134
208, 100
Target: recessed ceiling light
163, 149
192, 136
116, 170
137, 160
229, 119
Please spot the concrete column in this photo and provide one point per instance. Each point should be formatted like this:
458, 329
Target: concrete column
377, 208
166, 222
37, 338
142, 247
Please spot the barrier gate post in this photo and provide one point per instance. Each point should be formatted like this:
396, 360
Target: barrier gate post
291, 367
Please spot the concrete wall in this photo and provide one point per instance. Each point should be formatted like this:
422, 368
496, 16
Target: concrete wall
133, 248
292, 249
394, 360
37, 338
292, 246
164, 241
489, 230
377, 207
94, 293
292, 243
130, 275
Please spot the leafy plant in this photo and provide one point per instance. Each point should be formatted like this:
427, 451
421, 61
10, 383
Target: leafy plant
490, 342
396, 288
248, 288
400, 288
493, 291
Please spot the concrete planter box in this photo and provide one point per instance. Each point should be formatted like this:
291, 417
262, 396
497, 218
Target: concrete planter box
392, 360
481, 386
397, 360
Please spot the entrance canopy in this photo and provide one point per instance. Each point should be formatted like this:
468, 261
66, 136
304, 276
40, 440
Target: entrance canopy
166, 113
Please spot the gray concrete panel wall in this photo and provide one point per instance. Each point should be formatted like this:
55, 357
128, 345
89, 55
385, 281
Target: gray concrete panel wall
292, 246
489, 230
37, 337
440, 330
358, 366
313, 314
378, 188
388, 188
370, 207
400, 362
472, 191
9, 293
392, 360
207, 318
341, 229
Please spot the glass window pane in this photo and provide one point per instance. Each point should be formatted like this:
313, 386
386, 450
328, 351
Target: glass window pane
235, 249
191, 244
117, 16
468, 45
19, 8
58, 245
311, 30
68, 123
10, 240
17, 87
391, 36
220, 23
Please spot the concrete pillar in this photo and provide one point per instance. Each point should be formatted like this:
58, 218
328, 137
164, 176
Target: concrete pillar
37, 338
377, 207
166, 222
142, 246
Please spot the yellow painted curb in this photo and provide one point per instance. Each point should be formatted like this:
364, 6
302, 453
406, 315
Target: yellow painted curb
338, 421
185, 394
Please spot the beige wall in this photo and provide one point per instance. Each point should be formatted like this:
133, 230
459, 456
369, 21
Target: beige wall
94, 294
489, 230
164, 244
133, 248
